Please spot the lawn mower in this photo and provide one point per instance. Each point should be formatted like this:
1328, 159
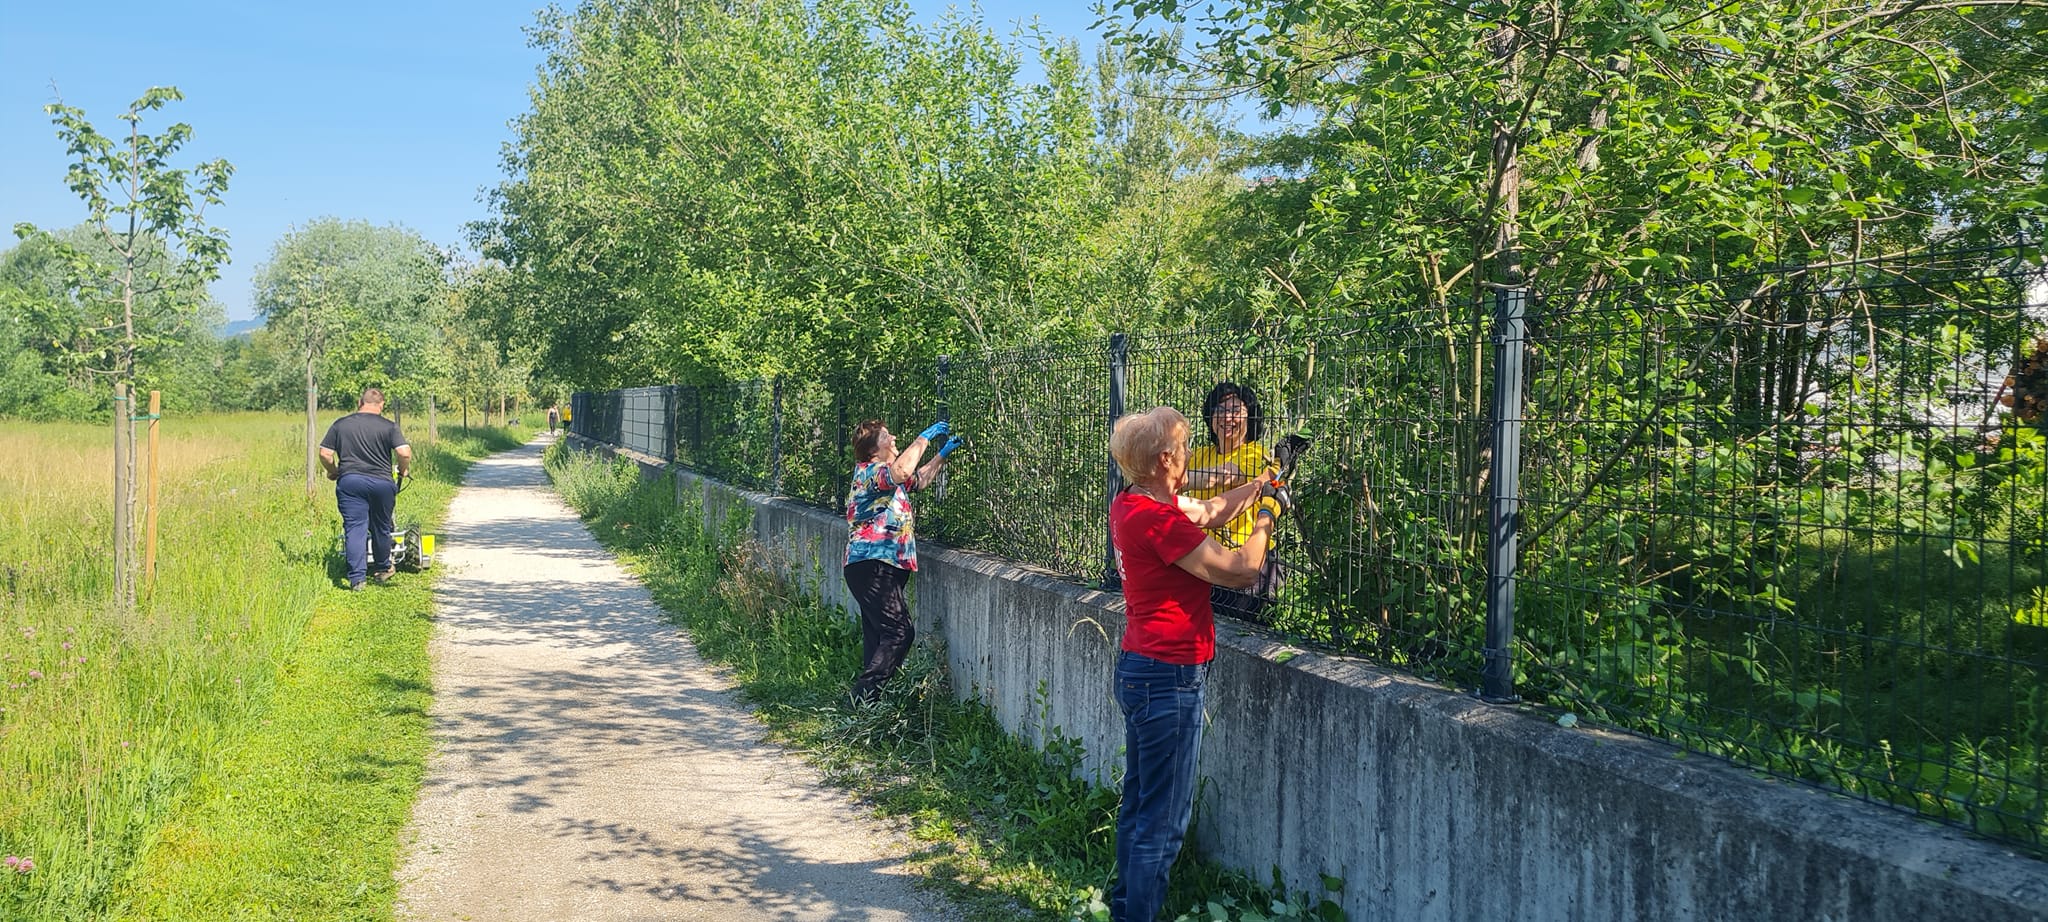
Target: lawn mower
412, 549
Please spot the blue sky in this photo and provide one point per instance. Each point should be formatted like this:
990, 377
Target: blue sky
387, 112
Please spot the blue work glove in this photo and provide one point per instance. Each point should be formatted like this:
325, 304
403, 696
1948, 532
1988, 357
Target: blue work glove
952, 445
935, 430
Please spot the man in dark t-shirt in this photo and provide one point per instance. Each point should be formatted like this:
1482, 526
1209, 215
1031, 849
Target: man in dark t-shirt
358, 452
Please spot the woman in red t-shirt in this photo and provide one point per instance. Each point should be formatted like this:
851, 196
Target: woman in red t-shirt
1168, 564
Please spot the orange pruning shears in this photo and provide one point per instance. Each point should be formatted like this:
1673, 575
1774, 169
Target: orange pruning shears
1286, 456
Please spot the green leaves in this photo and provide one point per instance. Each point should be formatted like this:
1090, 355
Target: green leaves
147, 254
366, 305
816, 186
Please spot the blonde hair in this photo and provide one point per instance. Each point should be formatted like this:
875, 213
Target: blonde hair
1137, 440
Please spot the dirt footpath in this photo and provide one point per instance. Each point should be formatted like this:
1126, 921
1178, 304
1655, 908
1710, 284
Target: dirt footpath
588, 766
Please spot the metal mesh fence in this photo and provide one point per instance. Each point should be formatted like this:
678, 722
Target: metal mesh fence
1797, 519
1385, 552
1030, 485
1782, 519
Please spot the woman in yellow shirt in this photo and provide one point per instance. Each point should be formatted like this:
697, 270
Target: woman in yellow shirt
1232, 457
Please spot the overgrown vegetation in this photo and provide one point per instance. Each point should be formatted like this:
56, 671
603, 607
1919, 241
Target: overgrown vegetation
811, 193
1009, 831
247, 743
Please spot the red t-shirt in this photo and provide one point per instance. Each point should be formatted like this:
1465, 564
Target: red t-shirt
1166, 609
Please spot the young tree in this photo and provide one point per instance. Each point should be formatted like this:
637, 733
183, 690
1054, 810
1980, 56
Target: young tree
147, 279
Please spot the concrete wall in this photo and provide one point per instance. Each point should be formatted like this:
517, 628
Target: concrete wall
1429, 804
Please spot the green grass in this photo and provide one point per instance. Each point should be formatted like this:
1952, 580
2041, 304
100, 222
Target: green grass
161, 764
1007, 831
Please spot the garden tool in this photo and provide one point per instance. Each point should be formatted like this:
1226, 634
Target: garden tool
1286, 456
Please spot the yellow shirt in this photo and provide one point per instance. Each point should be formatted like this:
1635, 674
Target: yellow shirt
1251, 459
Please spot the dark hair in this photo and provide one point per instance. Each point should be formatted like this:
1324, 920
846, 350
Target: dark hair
867, 438
1254, 424
371, 395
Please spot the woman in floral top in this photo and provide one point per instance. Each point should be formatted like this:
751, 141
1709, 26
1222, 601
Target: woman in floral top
881, 544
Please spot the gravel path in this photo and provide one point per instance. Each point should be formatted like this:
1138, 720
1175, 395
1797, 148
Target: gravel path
588, 766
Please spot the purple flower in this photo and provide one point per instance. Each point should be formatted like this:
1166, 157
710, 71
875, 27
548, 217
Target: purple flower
35, 673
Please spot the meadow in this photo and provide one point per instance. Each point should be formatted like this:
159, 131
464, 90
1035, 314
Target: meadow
247, 742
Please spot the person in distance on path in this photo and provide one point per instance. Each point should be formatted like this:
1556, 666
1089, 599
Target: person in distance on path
1167, 563
358, 452
881, 544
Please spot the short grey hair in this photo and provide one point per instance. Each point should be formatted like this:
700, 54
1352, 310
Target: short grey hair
1137, 440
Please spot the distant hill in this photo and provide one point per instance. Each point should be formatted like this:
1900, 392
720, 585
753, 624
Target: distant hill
234, 328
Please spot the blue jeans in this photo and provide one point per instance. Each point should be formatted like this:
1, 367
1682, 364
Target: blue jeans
366, 504
1162, 705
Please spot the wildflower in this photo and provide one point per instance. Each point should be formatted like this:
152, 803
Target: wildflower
19, 864
67, 645
81, 659
35, 673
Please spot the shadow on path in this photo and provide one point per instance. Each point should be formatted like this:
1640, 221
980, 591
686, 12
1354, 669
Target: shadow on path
589, 766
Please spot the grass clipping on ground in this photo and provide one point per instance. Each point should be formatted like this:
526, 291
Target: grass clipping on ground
247, 744
302, 820
1007, 831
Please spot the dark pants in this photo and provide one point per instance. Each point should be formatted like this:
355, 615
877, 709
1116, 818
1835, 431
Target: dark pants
1162, 705
886, 629
365, 503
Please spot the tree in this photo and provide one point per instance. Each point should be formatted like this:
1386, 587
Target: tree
142, 290
1480, 142
360, 305
731, 193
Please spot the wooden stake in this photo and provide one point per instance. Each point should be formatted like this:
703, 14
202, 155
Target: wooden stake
156, 407
312, 426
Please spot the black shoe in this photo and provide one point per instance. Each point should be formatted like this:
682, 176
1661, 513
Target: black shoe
384, 575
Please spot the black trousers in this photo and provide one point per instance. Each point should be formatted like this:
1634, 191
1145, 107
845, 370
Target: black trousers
886, 628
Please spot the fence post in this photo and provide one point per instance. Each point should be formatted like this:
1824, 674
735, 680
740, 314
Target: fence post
156, 410
775, 438
1119, 351
945, 415
845, 451
1504, 513
673, 407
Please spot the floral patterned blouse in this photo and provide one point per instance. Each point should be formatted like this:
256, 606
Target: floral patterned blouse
878, 518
